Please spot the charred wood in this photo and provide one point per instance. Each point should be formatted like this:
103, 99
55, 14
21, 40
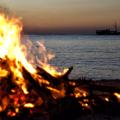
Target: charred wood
34, 84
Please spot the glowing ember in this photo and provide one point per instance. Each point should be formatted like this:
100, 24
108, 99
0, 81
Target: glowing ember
107, 99
80, 93
117, 95
29, 105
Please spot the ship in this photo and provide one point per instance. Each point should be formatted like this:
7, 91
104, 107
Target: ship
108, 31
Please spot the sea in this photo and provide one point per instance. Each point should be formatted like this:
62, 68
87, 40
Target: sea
92, 56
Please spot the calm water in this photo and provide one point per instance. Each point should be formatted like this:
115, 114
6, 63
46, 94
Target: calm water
97, 57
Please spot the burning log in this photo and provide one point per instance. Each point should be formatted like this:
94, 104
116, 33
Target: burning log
34, 84
66, 75
54, 80
48, 77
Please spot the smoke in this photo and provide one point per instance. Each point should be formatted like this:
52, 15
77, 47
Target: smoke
36, 51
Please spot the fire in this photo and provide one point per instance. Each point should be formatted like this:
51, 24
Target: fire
31, 84
13, 64
10, 42
3, 73
53, 71
13, 51
47, 56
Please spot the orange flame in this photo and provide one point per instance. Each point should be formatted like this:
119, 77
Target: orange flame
46, 57
13, 58
12, 50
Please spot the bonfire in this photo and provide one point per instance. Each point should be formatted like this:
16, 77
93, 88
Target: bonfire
32, 88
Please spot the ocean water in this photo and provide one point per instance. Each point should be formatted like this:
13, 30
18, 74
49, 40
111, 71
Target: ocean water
92, 56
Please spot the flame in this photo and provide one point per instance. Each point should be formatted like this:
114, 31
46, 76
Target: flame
13, 60
3, 73
57, 93
46, 57
10, 44
13, 51
53, 71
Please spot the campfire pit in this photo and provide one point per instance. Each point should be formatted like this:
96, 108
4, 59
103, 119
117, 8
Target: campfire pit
30, 91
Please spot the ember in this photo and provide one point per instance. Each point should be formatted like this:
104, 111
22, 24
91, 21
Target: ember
27, 89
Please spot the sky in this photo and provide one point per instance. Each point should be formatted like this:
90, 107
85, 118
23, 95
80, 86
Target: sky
62, 16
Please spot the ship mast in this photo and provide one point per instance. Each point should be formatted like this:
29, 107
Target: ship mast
116, 28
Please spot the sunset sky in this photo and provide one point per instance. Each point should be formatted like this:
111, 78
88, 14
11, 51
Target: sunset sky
82, 16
